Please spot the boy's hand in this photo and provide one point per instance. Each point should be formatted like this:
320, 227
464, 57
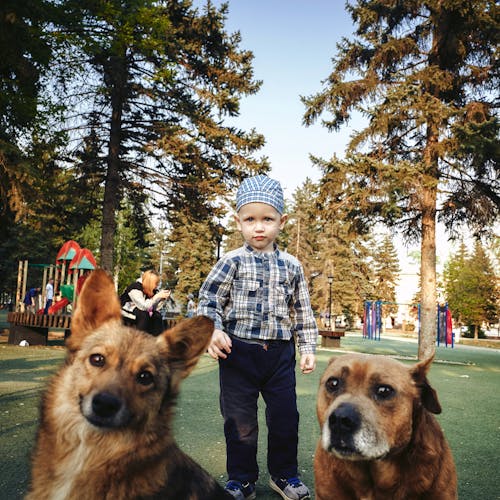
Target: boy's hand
220, 345
307, 363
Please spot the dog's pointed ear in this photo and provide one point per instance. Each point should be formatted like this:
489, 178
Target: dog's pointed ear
428, 395
97, 304
186, 342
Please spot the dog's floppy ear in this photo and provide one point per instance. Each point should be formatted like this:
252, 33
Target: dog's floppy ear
186, 342
97, 304
428, 395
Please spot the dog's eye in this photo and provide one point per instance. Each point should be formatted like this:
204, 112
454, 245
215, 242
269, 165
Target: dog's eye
384, 392
332, 384
145, 378
97, 360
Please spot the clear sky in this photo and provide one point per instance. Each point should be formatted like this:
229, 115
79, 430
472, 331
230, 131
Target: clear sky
293, 42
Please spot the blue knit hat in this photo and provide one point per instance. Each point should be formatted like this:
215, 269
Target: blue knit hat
260, 189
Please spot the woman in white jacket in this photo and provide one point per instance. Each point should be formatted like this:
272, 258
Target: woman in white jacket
140, 302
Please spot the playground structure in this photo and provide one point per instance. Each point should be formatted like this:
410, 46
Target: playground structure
373, 319
70, 270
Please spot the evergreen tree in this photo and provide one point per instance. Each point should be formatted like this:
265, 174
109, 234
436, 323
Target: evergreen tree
26, 141
344, 258
189, 256
26, 55
425, 74
486, 287
453, 276
386, 274
160, 76
471, 288
303, 228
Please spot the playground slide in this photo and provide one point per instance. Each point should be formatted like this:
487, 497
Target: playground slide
58, 305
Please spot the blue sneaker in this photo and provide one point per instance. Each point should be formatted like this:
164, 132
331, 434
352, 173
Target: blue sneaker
241, 491
290, 489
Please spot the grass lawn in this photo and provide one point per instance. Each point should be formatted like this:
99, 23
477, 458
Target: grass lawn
467, 380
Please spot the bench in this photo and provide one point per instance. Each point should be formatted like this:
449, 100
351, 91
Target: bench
35, 327
331, 338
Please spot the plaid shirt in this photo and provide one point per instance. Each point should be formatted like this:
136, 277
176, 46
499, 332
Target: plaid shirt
256, 295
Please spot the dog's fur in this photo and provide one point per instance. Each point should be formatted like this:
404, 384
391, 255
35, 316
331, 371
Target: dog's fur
105, 429
379, 439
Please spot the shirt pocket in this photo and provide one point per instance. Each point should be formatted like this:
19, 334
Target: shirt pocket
282, 297
246, 298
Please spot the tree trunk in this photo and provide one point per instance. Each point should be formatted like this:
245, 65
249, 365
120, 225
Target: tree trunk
428, 306
117, 75
111, 192
428, 327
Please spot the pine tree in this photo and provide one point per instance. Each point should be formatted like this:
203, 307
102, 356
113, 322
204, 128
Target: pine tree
161, 76
343, 258
26, 140
190, 256
471, 287
425, 75
303, 228
26, 55
453, 275
386, 273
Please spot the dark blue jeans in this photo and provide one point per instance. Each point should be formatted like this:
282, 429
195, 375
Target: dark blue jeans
251, 369
47, 306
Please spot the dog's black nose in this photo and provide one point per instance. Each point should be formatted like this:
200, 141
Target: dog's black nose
345, 420
105, 409
106, 405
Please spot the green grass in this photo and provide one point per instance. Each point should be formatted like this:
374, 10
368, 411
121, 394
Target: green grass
467, 381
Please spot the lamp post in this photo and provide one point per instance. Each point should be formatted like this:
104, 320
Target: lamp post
330, 281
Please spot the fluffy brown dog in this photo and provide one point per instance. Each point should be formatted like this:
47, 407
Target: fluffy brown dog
379, 439
105, 430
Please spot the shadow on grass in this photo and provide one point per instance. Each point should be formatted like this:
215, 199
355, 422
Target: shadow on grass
18, 421
20, 364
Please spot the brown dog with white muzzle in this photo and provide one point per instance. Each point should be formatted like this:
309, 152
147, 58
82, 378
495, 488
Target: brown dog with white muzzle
379, 439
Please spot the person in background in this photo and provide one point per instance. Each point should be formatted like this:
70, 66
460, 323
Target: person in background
49, 295
141, 301
29, 299
191, 306
257, 297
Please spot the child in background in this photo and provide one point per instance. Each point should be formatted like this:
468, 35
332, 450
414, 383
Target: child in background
29, 299
258, 299
49, 295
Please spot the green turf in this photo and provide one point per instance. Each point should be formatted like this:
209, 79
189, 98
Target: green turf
467, 381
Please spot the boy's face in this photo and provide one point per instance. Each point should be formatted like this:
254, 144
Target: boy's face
260, 225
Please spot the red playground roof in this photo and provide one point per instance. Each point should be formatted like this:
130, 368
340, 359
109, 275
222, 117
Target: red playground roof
83, 260
68, 251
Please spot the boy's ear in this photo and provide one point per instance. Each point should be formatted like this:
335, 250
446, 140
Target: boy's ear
97, 304
283, 219
238, 222
186, 342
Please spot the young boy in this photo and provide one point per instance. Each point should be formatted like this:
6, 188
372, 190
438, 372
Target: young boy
258, 298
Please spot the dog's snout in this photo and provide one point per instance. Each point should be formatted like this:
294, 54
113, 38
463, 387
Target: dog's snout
345, 419
106, 405
105, 409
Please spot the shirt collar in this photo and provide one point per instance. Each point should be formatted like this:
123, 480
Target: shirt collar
249, 249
